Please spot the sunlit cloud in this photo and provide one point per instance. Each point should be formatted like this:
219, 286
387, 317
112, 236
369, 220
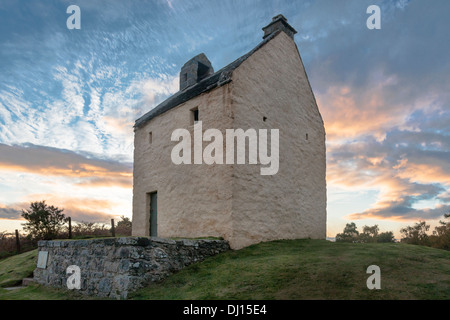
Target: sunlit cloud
79, 183
407, 167
84, 209
11, 212
48, 161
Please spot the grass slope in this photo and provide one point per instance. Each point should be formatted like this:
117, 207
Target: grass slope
15, 268
297, 269
311, 269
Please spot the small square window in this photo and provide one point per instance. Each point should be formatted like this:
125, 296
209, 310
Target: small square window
194, 116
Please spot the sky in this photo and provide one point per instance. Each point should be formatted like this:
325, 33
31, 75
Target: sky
69, 98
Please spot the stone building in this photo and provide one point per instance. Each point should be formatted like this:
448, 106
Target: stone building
266, 88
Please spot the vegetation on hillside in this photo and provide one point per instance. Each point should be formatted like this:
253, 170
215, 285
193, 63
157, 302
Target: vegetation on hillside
43, 222
369, 235
291, 269
311, 269
417, 234
46, 222
14, 269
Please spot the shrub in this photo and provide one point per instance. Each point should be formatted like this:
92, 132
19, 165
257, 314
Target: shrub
43, 221
416, 234
369, 234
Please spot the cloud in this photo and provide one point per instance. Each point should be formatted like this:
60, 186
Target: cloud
408, 167
90, 106
87, 209
122, 182
85, 215
170, 3
7, 212
58, 162
385, 106
401, 212
84, 209
351, 112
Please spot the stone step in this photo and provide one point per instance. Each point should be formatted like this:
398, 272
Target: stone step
13, 288
27, 281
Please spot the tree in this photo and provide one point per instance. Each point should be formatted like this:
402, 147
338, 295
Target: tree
125, 222
84, 228
441, 235
43, 221
386, 237
350, 234
416, 234
369, 234
124, 226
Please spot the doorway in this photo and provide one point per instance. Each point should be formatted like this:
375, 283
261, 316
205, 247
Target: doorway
153, 214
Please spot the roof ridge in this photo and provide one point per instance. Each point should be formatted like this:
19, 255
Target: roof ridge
216, 80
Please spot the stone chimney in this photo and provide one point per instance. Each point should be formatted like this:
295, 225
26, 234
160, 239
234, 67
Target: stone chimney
195, 70
279, 22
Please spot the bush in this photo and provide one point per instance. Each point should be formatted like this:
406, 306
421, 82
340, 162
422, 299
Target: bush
369, 234
123, 227
350, 234
83, 230
441, 235
90, 230
417, 234
8, 244
48, 222
386, 237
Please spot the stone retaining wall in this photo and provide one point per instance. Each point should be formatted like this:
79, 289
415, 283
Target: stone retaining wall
113, 267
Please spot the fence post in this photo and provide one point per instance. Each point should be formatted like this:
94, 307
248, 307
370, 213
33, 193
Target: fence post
17, 241
70, 228
113, 231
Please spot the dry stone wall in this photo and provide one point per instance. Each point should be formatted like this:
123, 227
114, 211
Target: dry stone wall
114, 267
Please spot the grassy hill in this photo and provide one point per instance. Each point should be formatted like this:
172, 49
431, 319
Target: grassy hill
15, 268
298, 269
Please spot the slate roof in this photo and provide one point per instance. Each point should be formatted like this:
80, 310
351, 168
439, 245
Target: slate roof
216, 80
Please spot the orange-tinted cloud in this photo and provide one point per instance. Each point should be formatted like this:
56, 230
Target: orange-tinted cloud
366, 109
79, 209
12, 212
423, 173
56, 162
123, 182
400, 167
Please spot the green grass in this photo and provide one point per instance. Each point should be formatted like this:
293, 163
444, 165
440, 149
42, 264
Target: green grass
298, 269
37, 292
311, 269
17, 267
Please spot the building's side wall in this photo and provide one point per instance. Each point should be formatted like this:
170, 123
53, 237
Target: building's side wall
193, 200
272, 83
